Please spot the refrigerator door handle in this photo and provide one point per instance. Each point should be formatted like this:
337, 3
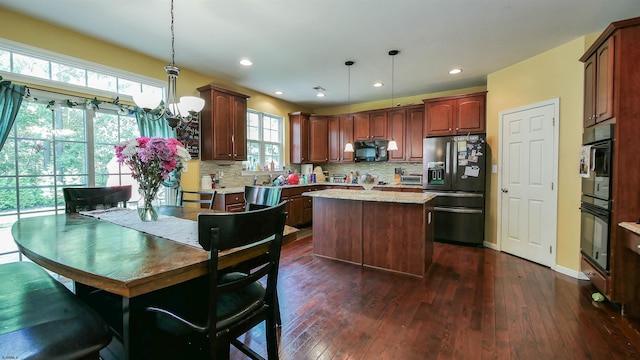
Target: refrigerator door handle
448, 162
458, 210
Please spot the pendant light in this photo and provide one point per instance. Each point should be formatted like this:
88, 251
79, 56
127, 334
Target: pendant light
393, 145
174, 112
348, 147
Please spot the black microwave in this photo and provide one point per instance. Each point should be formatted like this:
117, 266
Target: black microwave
370, 150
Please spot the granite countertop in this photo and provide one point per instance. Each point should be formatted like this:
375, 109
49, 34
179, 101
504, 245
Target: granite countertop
240, 189
373, 195
631, 226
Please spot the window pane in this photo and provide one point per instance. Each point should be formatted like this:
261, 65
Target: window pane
7, 158
36, 197
69, 124
156, 91
31, 66
73, 180
34, 121
5, 61
128, 87
253, 119
271, 135
253, 133
71, 158
8, 195
128, 128
68, 74
103, 128
101, 81
35, 157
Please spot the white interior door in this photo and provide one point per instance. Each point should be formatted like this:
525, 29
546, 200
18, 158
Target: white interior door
529, 162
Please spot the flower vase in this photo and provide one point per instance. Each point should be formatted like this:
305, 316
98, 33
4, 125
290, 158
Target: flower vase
146, 210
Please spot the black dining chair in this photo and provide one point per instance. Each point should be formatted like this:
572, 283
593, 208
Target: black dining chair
203, 318
196, 197
259, 197
41, 319
92, 198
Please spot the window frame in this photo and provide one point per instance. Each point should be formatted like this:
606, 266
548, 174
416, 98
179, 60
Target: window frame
262, 143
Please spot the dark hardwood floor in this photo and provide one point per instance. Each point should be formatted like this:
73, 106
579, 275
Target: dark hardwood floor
475, 303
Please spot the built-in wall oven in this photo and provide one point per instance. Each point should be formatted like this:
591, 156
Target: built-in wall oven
595, 208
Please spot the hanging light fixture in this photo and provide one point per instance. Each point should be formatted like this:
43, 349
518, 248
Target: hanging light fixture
348, 147
393, 145
185, 110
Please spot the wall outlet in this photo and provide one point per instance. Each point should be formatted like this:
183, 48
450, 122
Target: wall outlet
494, 169
220, 174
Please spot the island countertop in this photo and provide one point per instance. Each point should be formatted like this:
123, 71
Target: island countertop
373, 195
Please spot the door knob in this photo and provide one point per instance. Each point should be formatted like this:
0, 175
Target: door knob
505, 190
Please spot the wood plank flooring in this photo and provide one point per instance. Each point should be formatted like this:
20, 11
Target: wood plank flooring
474, 304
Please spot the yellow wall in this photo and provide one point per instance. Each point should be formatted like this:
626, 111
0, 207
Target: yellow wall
29, 31
556, 73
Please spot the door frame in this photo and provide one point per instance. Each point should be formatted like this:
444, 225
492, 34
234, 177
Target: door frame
556, 134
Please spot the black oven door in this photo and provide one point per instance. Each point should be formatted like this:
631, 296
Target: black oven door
594, 235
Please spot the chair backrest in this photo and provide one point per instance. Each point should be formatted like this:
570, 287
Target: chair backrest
91, 198
260, 197
196, 197
223, 231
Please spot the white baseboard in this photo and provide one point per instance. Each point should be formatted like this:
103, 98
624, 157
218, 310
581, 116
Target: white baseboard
491, 246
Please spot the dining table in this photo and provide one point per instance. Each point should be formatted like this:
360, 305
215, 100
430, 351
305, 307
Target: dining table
127, 262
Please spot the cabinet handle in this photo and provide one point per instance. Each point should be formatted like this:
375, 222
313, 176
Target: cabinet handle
229, 155
457, 129
449, 129
595, 116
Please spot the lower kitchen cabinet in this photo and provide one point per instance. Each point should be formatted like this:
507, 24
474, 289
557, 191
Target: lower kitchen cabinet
233, 202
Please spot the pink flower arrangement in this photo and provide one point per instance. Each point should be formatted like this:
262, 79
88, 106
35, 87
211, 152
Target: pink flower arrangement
152, 160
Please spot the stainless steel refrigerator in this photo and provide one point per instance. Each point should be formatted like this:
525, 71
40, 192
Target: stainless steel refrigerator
454, 169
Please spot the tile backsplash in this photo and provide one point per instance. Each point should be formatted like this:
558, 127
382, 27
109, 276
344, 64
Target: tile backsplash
232, 172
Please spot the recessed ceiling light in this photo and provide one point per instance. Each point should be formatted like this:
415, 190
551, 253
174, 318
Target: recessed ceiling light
455, 71
320, 94
378, 84
246, 62
279, 92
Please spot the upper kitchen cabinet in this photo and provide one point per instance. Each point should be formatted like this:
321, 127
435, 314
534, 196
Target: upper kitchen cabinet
223, 124
460, 114
598, 83
415, 133
340, 133
299, 137
397, 132
370, 126
318, 139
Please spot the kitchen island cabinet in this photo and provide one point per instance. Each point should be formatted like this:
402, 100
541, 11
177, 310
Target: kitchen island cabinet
385, 230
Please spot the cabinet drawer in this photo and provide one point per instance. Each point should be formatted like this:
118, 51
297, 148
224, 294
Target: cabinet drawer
234, 198
307, 202
631, 241
597, 279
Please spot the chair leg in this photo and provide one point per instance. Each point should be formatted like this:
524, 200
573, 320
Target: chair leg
277, 311
272, 338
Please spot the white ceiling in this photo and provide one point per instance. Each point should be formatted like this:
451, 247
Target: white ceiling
296, 45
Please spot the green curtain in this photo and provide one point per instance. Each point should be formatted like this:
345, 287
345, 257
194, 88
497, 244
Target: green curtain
10, 100
150, 128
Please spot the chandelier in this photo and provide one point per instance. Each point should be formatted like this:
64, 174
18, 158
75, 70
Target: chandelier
174, 112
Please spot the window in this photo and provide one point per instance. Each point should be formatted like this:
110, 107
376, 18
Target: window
51, 147
264, 140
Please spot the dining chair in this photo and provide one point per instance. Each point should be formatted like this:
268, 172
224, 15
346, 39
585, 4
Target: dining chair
41, 319
196, 197
92, 198
229, 303
259, 197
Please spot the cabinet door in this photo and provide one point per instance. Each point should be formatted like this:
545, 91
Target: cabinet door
318, 140
414, 134
296, 211
604, 81
439, 117
335, 143
378, 124
361, 127
222, 126
590, 92
397, 129
239, 136
299, 135
346, 136
470, 113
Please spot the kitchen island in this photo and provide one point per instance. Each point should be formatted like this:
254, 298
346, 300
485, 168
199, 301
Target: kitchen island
380, 229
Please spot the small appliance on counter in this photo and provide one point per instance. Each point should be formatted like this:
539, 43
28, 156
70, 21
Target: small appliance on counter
411, 179
339, 178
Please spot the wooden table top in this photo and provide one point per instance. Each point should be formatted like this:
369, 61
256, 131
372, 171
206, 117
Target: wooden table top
120, 260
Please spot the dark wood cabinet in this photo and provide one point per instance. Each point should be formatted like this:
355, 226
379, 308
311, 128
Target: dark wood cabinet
460, 114
223, 124
233, 202
318, 139
415, 133
370, 125
340, 133
598, 84
397, 132
299, 137
611, 98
